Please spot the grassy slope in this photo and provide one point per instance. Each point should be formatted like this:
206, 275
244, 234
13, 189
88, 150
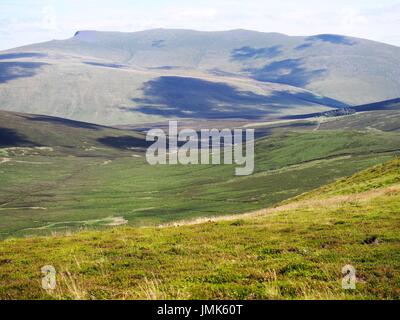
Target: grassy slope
83, 181
66, 137
380, 176
70, 88
118, 78
388, 121
352, 70
296, 251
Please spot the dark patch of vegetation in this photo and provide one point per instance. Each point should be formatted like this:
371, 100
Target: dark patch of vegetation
238, 223
124, 142
371, 240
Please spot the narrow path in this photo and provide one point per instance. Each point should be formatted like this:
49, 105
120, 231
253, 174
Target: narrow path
318, 126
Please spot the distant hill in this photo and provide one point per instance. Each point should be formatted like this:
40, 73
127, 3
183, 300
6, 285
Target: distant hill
153, 75
382, 116
393, 104
65, 137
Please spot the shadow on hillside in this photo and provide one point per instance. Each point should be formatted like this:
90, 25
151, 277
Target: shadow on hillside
64, 122
312, 99
199, 99
332, 38
196, 98
14, 70
245, 53
158, 44
11, 138
106, 65
290, 71
393, 104
164, 68
125, 142
304, 46
21, 55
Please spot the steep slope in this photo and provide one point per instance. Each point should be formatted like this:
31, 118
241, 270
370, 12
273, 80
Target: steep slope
296, 251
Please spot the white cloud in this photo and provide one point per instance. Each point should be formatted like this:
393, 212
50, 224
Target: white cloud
350, 16
49, 20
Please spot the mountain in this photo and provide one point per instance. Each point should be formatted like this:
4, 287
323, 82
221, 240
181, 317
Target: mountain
125, 78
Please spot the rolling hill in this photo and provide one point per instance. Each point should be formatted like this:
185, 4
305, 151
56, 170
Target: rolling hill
60, 175
129, 78
294, 251
380, 116
66, 137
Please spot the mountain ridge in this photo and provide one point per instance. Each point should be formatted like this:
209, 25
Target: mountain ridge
135, 75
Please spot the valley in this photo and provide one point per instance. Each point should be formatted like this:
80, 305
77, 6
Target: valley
77, 194
69, 173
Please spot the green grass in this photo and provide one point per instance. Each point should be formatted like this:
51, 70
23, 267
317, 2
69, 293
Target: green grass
51, 191
380, 176
296, 252
389, 120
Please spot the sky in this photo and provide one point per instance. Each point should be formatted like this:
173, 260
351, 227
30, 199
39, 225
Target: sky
31, 21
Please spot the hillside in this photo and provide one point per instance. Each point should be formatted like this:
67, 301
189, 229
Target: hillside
68, 87
129, 78
293, 251
323, 63
383, 116
64, 136
59, 175
380, 116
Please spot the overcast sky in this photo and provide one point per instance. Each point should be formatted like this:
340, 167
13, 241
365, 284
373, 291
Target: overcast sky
31, 21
